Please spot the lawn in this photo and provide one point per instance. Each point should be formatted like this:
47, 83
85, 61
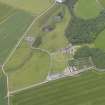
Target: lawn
100, 40
86, 89
87, 9
33, 6
11, 30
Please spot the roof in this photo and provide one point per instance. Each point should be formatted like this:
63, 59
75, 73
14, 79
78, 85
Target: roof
60, 1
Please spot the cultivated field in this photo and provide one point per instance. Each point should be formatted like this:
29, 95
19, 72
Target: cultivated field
87, 89
5, 11
30, 65
29, 70
3, 90
39, 38
11, 30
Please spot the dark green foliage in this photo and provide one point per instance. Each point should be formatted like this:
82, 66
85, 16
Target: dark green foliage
70, 4
38, 41
97, 55
81, 31
82, 52
85, 31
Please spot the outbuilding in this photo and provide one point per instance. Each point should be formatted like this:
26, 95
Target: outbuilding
60, 1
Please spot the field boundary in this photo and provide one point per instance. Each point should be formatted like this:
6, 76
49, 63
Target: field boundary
46, 81
17, 45
25, 33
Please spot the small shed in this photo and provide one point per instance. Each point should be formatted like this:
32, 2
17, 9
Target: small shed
60, 1
30, 39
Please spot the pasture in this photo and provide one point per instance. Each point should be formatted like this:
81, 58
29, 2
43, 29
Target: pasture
27, 67
33, 6
3, 90
87, 89
50, 39
5, 11
100, 40
102, 2
11, 30
87, 9
30, 65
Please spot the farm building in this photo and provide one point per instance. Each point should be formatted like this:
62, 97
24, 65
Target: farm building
53, 76
60, 1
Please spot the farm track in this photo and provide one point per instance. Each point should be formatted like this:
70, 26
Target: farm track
19, 42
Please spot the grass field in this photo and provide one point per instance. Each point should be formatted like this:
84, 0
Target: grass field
33, 6
30, 65
11, 31
3, 90
100, 41
102, 2
58, 59
87, 9
5, 11
50, 41
25, 67
87, 89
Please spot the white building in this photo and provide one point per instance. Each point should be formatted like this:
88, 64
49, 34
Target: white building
60, 1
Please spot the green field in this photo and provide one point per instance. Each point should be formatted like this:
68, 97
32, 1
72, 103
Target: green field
102, 2
5, 11
100, 40
87, 9
87, 89
50, 39
33, 6
27, 67
43, 52
11, 31
3, 90
30, 68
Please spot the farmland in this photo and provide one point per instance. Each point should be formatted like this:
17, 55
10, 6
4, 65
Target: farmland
102, 2
33, 6
11, 31
22, 63
83, 8
86, 89
28, 72
3, 90
50, 52
100, 41
5, 11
